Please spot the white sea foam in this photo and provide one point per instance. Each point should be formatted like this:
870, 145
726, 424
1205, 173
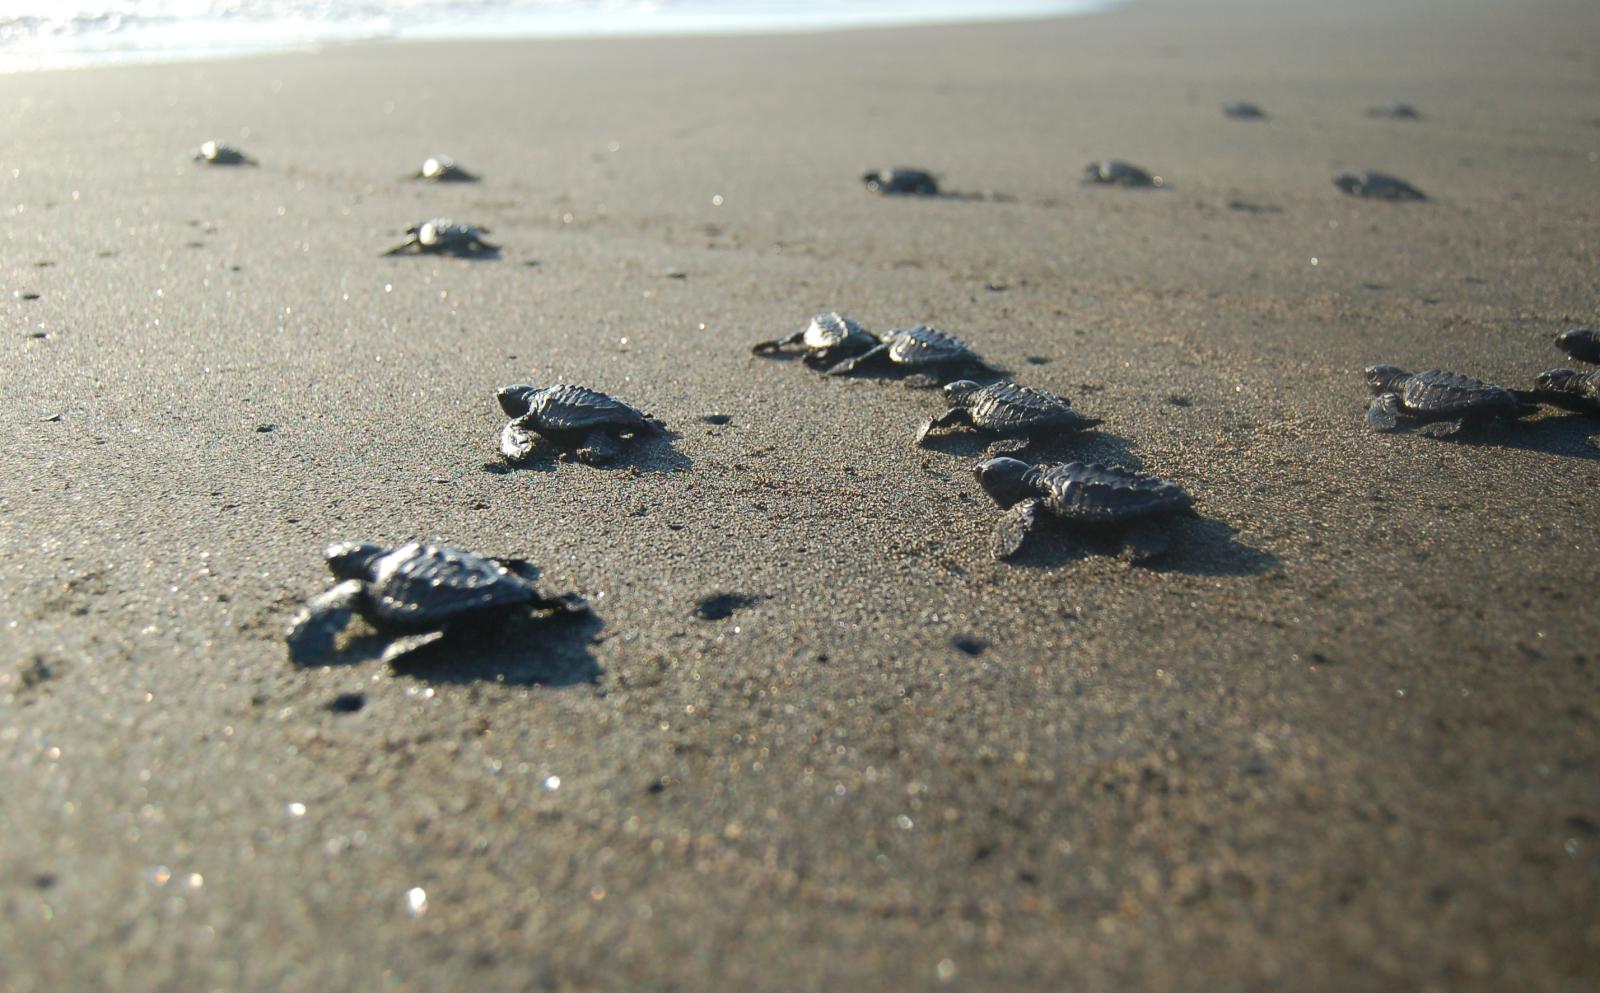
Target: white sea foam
37, 34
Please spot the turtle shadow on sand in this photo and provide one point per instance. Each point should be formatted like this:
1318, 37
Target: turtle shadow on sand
1094, 445
1574, 436
1201, 546
514, 649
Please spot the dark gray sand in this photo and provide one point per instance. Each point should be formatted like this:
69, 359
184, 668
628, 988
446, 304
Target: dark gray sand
1343, 738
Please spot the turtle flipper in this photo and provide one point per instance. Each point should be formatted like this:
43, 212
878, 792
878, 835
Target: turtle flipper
405, 645
314, 630
1013, 529
516, 441
1384, 414
851, 365
598, 448
1143, 541
951, 417
400, 249
777, 344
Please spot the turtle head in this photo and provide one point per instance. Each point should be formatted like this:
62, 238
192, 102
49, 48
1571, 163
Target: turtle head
352, 559
1347, 181
1006, 480
1579, 342
516, 399
958, 391
1556, 380
1385, 378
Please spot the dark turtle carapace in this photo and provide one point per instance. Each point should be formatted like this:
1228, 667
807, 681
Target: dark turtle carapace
1089, 496
1582, 344
1111, 172
220, 154
902, 181
1244, 110
443, 169
585, 424
414, 593
921, 351
1008, 410
1445, 401
1569, 389
1377, 186
828, 338
444, 237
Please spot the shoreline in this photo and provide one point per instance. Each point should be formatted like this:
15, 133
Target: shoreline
1342, 737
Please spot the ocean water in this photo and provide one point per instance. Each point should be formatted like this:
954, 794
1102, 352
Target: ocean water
40, 34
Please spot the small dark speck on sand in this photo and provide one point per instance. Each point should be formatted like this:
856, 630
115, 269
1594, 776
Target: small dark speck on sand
44, 263
1582, 825
39, 335
969, 644
675, 274
996, 287
44, 880
28, 295
717, 418
532, 263
265, 428
50, 418
1037, 360
347, 703
722, 605
1179, 401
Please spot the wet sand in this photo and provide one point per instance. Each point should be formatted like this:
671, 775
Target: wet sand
1342, 738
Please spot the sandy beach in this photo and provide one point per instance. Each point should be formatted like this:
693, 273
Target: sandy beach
1345, 736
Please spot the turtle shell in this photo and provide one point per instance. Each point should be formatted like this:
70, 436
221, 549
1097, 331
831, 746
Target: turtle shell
833, 330
577, 408
902, 180
1118, 173
1093, 493
1570, 389
443, 233
1006, 406
924, 346
1437, 393
218, 153
421, 585
1378, 186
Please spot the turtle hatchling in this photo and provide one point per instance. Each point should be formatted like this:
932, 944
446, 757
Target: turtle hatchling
1091, 496
443, 169
1396, 112
1377, 186
828, 338
217, 153
1008, 410
901, 180
585, 424
922, 351
414, 592
1582, 344
1244, 110
1445, 401
444, 236
1568, 389
1111, 172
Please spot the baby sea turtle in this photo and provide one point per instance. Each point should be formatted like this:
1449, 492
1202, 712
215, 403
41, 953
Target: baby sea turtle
1446, 401
1092, 495
1568, 389
1582, 344
443, 169
1377, 186
1396, 112
444, 236
1008, 410
828, 338
1114, 173
922, 351
217, 153
1244, 110
901, 180
415, 592
585, 424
